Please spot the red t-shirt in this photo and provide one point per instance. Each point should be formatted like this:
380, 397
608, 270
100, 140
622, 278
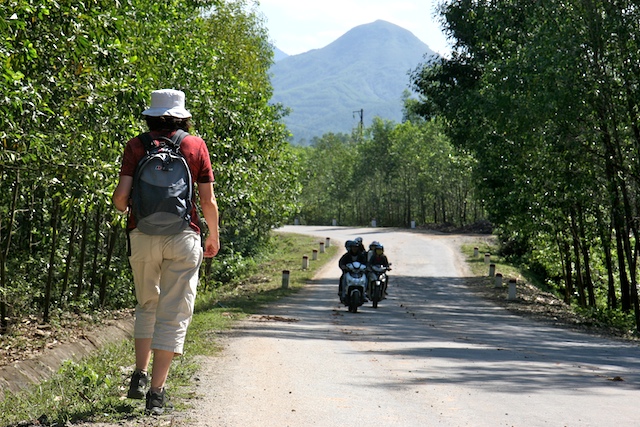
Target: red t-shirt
194, 150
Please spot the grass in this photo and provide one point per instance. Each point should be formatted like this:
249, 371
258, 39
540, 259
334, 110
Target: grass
94, 389
479, 267
614, 322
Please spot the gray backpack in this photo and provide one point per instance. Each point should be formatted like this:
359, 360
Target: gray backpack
161, 197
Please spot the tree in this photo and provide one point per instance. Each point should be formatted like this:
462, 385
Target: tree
545, 97
398, 173
75, 78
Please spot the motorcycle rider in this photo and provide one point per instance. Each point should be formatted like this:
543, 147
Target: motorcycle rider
353, 254
377, 257
372, 249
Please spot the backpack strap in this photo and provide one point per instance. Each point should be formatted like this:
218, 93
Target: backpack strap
147, 141
175, 140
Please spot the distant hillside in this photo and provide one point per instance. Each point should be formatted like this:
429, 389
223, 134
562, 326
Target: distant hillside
367, 68
278, 54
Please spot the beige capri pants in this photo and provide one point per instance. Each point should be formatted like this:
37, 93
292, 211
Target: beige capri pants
165, 274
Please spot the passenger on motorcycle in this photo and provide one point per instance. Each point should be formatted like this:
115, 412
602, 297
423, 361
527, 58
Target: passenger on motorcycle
377, 257
361, 248
353, 254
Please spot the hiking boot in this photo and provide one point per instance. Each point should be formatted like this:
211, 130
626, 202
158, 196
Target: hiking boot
156, 403
138, 385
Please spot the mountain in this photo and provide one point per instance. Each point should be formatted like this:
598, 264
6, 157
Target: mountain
365, 69
278, 54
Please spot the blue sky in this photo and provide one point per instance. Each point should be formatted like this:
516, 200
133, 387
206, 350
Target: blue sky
297, 26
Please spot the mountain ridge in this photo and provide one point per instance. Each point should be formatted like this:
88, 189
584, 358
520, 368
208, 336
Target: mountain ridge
366, 68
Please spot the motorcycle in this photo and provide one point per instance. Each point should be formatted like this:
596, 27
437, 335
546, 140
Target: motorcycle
378, 284
355, 284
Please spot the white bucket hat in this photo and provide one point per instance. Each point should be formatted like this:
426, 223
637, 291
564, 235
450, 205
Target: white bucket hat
167, 102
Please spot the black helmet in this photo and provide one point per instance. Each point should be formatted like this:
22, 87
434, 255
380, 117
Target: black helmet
349, 244
374, 244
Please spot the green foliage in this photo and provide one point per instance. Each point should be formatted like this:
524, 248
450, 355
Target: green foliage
230, 267
75, 77
78, 391
545, 97
91, 384
395, 173
616, 319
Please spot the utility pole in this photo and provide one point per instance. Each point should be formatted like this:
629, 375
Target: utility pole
361, 124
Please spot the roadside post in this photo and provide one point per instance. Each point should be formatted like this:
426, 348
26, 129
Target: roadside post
285, 279
498, 281
512, 289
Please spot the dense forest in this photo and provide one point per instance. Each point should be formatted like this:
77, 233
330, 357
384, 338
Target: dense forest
546, 97
75, 78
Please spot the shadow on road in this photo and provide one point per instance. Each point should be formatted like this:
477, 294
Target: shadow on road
441, 332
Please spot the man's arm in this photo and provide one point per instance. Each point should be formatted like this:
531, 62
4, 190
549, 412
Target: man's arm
341, 263
209, 207
122, 192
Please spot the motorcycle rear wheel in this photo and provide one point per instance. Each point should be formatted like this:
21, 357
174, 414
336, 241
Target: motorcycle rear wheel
376, 297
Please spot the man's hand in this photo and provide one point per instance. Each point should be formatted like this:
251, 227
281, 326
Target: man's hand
210, 211
211, 246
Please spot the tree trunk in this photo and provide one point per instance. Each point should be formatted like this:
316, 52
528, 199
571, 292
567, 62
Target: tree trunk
464, 211
52, 258
576, 254
619, 223
96, 252
107, 264
588, 282
70, 252
631, 253
435, 211
634, 292
568, 289
408, 201
606, 237
4, 255
625, 297
83, 248
30, 228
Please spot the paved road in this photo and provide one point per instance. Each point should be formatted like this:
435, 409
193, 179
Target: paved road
432, 354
